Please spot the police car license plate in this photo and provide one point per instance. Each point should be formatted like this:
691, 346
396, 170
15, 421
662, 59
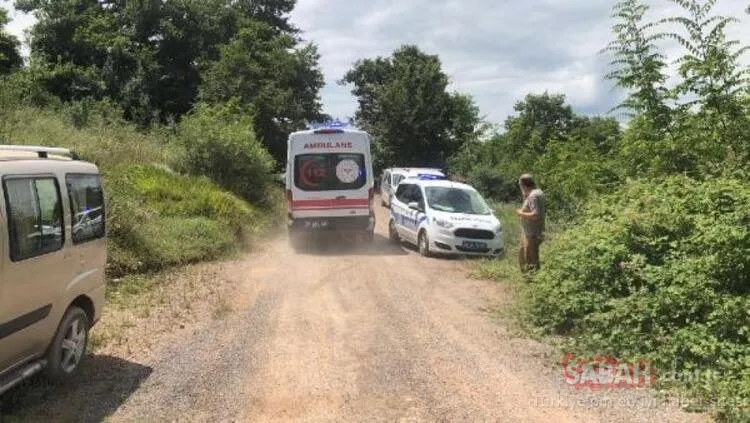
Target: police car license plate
474, 245
316, 224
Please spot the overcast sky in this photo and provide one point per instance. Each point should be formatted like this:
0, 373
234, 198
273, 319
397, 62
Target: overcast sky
495, 50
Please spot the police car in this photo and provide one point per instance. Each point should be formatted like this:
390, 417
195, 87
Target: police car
444, 217
394, 175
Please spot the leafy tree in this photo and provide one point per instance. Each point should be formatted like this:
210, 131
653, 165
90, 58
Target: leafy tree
639, 64
148, 55
404, 104
710, 69
221, 143
265, 71
10, 58
704, 134
712, 78
272, 12
540, 119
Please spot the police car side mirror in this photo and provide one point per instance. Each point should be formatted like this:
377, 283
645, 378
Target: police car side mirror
415, 206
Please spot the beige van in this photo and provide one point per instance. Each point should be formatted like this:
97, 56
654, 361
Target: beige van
52, 260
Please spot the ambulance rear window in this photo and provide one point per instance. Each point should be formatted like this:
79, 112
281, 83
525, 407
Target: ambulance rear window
329, 171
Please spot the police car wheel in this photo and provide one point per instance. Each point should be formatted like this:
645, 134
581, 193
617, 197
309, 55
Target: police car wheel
424, 244
392, 233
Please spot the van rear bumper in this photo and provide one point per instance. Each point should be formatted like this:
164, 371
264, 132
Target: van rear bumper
332, 224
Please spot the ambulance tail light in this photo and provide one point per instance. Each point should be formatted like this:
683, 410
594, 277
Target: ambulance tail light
289, 200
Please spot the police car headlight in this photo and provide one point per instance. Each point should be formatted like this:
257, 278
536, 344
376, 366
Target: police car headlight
442, 223
498, 229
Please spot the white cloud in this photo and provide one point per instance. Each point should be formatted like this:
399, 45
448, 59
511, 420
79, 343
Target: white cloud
495, 50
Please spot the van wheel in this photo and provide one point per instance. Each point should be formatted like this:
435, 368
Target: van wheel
424, 244
393, 233
69, 345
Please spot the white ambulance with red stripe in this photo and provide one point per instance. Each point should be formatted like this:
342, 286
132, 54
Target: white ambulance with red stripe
329, 181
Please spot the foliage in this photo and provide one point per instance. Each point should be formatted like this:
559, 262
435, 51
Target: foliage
151, 58
711, 73
705, 129
404, 104
267, 74
10, 57
160, 219
658, 270
652, 259
493, 183
156, 217
539, 120
571, 155
574, 171
221, 144
639, 64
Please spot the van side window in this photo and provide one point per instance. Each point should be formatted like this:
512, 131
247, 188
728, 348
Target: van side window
86, 207
35, 217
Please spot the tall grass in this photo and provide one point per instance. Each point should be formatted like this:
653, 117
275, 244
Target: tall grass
157, 218
506, 268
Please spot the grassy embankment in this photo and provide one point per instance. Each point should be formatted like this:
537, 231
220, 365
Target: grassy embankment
158, 219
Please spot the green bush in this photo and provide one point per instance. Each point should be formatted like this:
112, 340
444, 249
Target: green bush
571, 172
89, 112
159, 218
658, 270
156, 217
221, 144
495, 184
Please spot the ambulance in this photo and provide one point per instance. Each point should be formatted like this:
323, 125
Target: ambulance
329, 182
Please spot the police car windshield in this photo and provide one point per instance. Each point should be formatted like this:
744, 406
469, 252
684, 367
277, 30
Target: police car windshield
456, 200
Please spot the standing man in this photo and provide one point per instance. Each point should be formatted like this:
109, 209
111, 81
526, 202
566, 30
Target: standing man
532, 214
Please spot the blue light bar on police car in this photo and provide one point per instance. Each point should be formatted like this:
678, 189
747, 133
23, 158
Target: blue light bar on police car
427, 176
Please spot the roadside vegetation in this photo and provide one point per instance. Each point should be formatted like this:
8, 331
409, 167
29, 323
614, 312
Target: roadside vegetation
187, 147
158, 217
647, 254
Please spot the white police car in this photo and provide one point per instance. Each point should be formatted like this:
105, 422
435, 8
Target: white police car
394, 175
444, 217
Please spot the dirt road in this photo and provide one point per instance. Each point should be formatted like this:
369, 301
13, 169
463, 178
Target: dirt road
342, 334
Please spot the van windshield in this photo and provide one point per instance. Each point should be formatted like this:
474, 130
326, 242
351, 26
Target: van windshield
329, 171
456, 200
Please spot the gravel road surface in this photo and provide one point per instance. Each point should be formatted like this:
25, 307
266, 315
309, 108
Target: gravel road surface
347, 334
